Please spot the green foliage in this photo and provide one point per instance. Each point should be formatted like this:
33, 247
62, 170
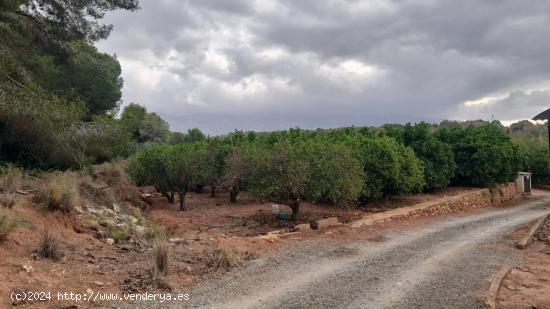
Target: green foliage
280, 175
484, 155
335, 175
145, 127
69, 19
194, 135
436, 156
536, 161
391, 168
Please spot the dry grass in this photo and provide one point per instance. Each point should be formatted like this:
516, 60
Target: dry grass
111, 172
60, 193
161, 257
49, 246
6, 227
8, 200
11, 178
224, 259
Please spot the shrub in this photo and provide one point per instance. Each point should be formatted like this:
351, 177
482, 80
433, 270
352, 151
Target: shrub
536, 162
61, 193
6, 227
437, 157
391, 168
335, 175
484, 154
49, 246
117, 233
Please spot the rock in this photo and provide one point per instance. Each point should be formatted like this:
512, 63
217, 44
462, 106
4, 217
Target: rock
188, 269
89, 291
116, 208
302, 227
177, 241
110, 241
270, 237
324, 223
27, 268
35, 256
146, 195
98, 283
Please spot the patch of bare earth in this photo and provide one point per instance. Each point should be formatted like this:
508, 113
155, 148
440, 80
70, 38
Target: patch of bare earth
528, 285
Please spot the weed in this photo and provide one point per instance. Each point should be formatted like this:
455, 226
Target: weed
154, 231
6, 227
49, 246
8, 200
11, 178
117, 233
161, 257
60, 193
224, 259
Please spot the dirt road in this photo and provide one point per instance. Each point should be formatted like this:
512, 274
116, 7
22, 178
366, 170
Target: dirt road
442, 264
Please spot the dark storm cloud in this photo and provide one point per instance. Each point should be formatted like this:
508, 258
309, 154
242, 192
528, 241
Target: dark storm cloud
270, 64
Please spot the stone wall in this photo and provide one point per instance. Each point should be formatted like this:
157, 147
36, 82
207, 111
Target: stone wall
468, 200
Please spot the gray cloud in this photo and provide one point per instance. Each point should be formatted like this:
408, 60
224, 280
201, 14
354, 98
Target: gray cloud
269, 64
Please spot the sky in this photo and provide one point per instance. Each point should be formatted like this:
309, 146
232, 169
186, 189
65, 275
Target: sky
222, 65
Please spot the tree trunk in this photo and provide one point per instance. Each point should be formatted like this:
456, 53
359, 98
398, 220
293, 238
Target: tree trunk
212, 189
295, 206
199, 188
233, 192
182, 200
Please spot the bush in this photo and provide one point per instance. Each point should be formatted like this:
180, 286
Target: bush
61, 193
118, 234
335, 175
536, 162
484, 154
391, 168
6, 227
49, 246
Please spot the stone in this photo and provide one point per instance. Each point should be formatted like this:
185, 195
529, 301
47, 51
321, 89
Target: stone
177, 241
27, 268
270, 237
98, 283
110, 241
116, 208
324, 223
302, 227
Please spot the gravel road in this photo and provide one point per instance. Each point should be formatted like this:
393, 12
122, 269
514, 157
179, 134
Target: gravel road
443, 264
